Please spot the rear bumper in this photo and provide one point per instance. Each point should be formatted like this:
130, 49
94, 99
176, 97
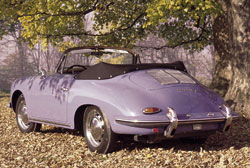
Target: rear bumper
175, 128
149, 124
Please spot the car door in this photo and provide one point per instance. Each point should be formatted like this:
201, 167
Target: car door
49, 98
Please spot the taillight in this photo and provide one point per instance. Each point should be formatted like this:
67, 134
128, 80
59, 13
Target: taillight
151, 110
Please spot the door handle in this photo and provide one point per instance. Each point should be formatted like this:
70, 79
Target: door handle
64, 89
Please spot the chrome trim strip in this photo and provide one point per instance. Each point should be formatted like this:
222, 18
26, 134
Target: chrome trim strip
207, 120
138, 123
141, 123
48, 122
235, 117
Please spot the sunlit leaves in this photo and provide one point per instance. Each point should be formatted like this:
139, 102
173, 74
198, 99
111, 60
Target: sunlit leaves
65, 45
48, 19
192, 9
183, 22
122, 21
118, 23
8, 18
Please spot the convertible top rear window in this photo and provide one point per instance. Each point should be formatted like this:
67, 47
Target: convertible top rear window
170, 76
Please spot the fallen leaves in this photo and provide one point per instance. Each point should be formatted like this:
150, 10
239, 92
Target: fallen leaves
56, 147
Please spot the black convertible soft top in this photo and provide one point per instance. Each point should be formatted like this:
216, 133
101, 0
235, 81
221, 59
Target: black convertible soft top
105, 71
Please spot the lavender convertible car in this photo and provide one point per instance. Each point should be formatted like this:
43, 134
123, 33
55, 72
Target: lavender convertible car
107, 91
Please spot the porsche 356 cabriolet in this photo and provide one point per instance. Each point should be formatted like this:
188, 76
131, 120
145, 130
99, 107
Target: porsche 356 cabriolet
107, 91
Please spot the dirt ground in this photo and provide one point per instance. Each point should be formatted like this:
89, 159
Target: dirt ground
56, 147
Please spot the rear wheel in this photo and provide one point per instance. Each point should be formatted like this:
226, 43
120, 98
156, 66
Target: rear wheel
22, 118
97, 131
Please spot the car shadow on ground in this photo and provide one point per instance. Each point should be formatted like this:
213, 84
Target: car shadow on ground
58, 130
238, 137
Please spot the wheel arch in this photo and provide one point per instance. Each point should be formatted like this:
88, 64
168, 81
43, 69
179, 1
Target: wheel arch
14, 99
78, 105
78, 118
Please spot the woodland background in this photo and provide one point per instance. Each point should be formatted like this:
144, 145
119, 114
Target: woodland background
212, 37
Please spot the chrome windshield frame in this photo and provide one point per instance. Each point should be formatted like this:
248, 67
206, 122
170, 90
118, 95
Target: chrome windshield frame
59, 68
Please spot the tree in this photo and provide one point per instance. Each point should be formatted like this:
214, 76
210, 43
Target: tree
229, 29
183, 22
42, 19
199, 64
10, 69
231, 40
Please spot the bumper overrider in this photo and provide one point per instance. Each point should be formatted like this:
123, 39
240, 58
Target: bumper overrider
173, 122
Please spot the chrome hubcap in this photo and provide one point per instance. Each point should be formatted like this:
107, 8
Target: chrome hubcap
95, 128
22, 116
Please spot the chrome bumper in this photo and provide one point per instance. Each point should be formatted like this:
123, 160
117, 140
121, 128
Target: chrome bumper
174, 124
148, 123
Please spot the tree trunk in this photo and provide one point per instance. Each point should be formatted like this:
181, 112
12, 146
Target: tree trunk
232, 60
21, 58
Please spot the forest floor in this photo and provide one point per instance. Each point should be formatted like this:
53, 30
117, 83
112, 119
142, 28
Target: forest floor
56, 147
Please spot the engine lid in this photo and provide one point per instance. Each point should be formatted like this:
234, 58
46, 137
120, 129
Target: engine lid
160, 78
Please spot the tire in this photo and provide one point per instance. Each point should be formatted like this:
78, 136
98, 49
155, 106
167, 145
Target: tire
22, 119
97, 131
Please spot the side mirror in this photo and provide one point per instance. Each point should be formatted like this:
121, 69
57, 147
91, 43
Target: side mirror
42, 73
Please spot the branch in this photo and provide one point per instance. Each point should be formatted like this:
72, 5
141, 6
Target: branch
9, 41
170, 46
96, 35
133, 23
198, 38
75, 13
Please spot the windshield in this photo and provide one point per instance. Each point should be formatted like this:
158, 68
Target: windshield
88, 57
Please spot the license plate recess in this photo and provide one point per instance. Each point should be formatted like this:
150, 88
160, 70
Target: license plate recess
197, 127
